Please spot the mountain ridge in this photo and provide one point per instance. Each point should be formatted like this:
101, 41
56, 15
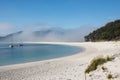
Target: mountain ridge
109, 32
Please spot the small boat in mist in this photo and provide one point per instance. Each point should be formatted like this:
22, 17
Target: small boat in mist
20, 45
17, 45
11, 46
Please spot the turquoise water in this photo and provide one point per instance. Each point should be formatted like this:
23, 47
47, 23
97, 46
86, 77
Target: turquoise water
34, 52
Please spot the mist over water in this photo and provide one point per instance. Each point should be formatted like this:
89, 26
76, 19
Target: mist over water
51, 35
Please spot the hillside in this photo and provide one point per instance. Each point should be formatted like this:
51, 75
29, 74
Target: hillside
109, 32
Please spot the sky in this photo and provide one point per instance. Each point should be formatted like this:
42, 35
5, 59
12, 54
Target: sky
17, 15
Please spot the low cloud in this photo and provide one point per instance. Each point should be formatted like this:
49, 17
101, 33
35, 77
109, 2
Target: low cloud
44, 32
6, 28
36, 26
53, 35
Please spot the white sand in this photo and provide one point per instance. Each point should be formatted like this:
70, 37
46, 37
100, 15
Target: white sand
66, 68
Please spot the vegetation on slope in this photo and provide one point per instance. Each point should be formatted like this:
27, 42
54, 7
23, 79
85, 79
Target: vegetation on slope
96, 62
109, 32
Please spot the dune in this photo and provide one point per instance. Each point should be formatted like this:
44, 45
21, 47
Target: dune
69, 67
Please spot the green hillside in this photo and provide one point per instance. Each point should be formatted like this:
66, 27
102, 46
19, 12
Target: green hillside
109, 32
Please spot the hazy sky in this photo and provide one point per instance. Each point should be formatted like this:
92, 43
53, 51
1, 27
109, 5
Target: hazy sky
18, 15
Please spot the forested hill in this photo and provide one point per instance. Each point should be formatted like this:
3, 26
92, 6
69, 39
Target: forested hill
109, 32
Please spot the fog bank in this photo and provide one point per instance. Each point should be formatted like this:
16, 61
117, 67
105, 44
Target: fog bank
50, 35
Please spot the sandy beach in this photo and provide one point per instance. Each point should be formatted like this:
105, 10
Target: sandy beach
69, 67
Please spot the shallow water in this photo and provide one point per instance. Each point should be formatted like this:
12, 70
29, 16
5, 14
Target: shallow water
34, 52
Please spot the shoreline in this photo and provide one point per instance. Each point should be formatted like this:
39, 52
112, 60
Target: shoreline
47, 60
72, 66
12, 66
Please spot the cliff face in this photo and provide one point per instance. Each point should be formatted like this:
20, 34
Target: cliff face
109, 32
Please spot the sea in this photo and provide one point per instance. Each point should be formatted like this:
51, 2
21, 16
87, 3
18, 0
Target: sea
34, 52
